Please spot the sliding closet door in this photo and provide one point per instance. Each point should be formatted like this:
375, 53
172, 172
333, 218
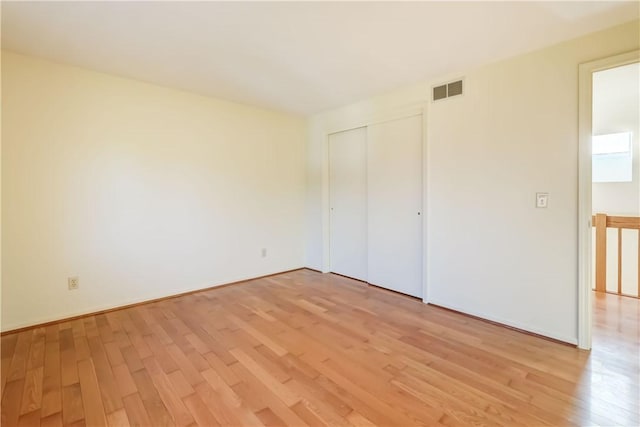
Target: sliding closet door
395, 205
348, 203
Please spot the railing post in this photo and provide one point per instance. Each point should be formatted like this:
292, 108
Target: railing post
601, 252
619, 261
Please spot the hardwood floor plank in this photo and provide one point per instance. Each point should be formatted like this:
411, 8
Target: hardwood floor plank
10, 404
36, 352
197, 361
52, 382
113, 353
141, 346
81, 347
282, 391
154, 407
257, 396
32, 391
197, 343
200, 411
159, 351
30, 419
265, 340
92, 401
118, 418
69, 367
53, 420
301, 409
269, 419
124, 380
230, 406
221, 368
190, 372
133, 361
161, 335
18, 366
78, 326
5, 362
8, 345
105, 331
72, 404
357, 420
378, 415
216, 343
323, 411
136, 412
224, 413
174, 404
266, 359
111, 397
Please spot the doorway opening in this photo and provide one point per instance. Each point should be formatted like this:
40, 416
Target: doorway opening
615, 195
609, 189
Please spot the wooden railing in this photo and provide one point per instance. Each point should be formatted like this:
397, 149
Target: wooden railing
601, 222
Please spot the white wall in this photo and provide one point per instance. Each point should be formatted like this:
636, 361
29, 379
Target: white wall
141, 191
616, 108
513, 133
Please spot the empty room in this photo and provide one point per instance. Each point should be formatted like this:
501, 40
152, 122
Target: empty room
320, 213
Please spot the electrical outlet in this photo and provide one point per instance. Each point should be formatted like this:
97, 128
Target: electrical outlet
74, 283
264, 252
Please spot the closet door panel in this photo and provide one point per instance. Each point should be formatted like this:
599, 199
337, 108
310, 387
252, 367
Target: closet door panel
394, 163
348, 203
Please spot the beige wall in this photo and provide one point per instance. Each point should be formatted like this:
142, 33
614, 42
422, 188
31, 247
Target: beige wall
140, 190
513, 133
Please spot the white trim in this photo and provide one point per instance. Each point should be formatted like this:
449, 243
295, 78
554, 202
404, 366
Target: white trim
585, 78
345, 130
326, 208
425, 205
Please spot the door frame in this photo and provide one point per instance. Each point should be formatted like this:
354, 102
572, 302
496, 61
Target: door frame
585, 125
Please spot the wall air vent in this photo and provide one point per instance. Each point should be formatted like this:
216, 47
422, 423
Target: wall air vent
447, 90
439, 92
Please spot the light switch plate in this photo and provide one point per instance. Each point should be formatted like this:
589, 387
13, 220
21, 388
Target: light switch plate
542, 200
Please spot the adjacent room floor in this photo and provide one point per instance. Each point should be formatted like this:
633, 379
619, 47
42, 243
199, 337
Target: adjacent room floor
303, 348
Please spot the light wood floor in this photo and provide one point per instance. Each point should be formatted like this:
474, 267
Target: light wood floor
309, 349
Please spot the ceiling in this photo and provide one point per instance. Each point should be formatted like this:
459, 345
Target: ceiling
299, 57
